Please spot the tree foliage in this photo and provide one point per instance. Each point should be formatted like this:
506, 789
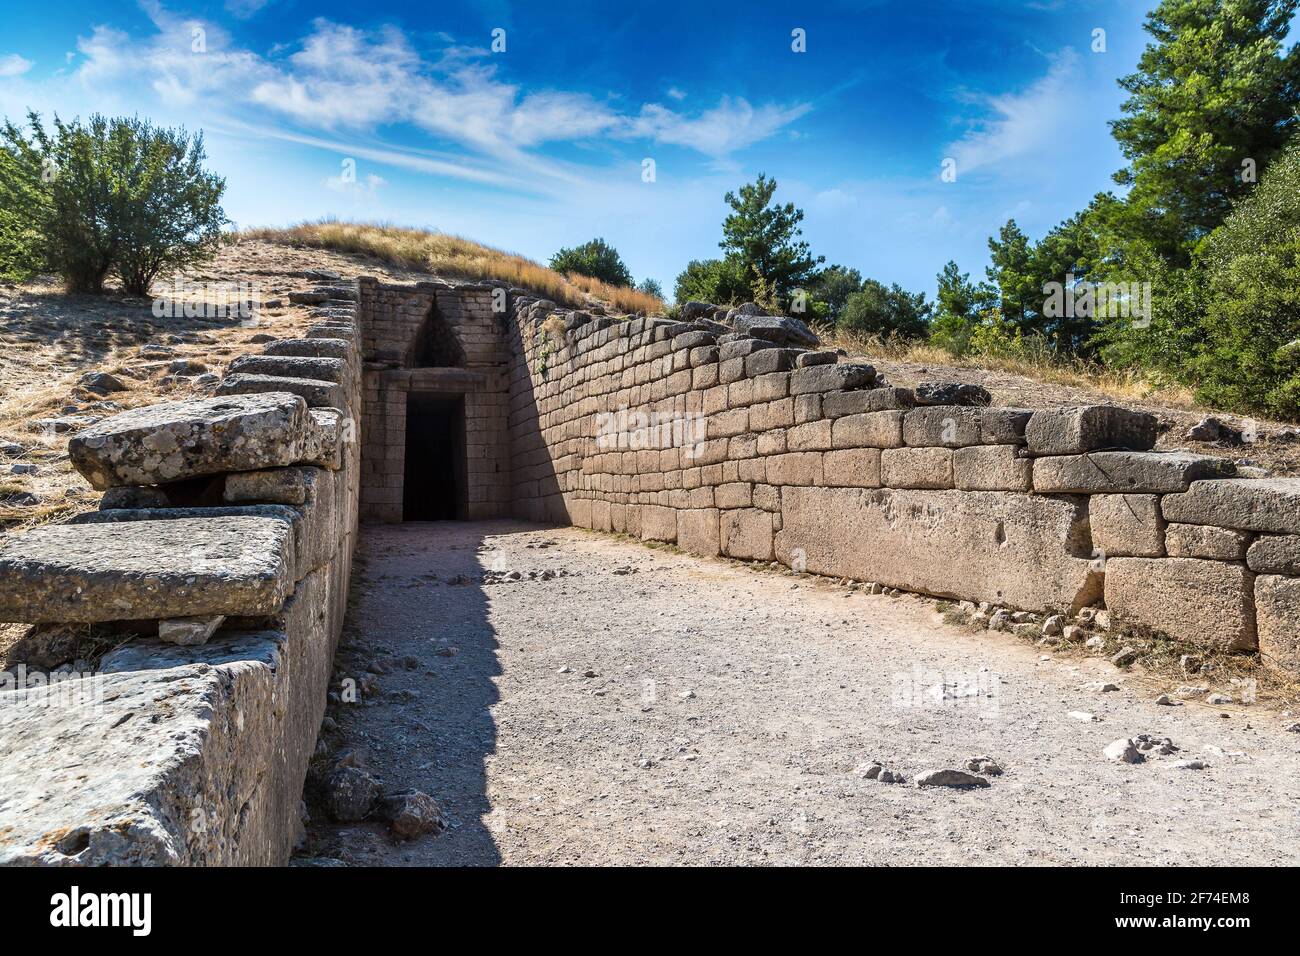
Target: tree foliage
764, 238
596, 259
111, 194
885, 311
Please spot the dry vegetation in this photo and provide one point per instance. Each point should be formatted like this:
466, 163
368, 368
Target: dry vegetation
456, 257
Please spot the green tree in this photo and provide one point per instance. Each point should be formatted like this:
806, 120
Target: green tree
1214, 91
881, 310
959, 304
651, 287
117, 193
1249, 354
1011, 272
831, 288
764, 237
20, 243
596, 259
719, 281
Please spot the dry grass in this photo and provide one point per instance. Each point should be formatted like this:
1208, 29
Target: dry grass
456, 257
1046, 367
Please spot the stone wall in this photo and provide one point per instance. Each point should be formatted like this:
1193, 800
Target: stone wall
727, 443
163, 707
396, 324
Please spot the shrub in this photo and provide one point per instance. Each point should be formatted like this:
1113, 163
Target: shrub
117, 193
878, 310
719, 281
596, 259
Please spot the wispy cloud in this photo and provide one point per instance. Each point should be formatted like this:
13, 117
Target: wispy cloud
14, 65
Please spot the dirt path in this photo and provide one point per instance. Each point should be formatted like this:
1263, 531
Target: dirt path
731, 709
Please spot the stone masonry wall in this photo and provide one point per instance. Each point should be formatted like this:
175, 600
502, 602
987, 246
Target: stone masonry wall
217, 572
393, 318
726, 443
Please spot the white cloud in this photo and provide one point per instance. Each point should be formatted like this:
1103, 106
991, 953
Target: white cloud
1024, 123
13, 65
730, 126
676, 93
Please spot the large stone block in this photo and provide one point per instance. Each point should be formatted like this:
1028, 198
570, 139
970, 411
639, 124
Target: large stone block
1277, 608
959, 426
868, 430
916, 468
838, 404
658, 523
135, 570
1275, 554
1252, 504
1208, 603
311, 348
827, 378
1127, 525
292, 366
1125, 472
1072, 431
747, 534
697, 531
852, 468
1025, 551
1205, 541
991, 468
316, 393
176, 440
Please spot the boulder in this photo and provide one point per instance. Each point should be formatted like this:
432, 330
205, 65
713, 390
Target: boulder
952, 393
1083, 428
188, 439
411, 814
117, 571
101, 383
781, 330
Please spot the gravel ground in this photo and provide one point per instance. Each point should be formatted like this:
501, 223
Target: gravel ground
642, 706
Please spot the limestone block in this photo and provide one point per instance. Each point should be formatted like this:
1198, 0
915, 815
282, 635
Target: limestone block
1205, 541
311, 348
869, 430
916, 468
1208, 603
290, 366
769, 360
1251, 504
1127, 525
991, 468
747, 534
1275, 554
177, 440
315, 393
1125, 472
1277, 606
826, 378
130, 570
1018, 550
941, 425
795, 468
852, 468
1073, 431
838, 404
810, 436
697, 531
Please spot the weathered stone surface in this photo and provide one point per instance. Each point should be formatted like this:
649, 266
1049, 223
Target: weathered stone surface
1277, 607
311, 348
1073, 431
351, 793
658, 523
292, 366
411, 814
952, 393
697, 531
175, 440
991, 468
315, 393
747, 534
782, 330
113, 571
189, 631
852, 468
951, 778
133, 496
862, 401
868, 430
285, 486
916, 468
1127, 525
950, 426
827, 378
1275, 554
1252, 504
1125, 472
1205, 541
1208, 603
1023, 551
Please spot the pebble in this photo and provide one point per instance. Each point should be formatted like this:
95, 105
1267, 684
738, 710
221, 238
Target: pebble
1164, 700
985, 765
1082, 716
1190, 765
1218, 699
1124, 656
1122, 751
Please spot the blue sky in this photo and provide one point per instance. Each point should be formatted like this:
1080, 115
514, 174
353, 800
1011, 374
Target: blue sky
542, 145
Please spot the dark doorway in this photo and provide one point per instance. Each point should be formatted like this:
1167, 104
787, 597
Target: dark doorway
433, 483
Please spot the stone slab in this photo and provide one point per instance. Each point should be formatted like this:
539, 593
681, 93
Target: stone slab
113, 570
292, 366
1252, 504
1207, 603
1205, 541
178, 440
1023, 551
1125, 472
1277, 607
1083, 428
1127, 525
1275, 554
991, 468
316, 393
